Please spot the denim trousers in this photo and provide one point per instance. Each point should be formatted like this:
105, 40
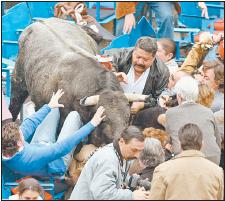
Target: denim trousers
46, 131
164, 18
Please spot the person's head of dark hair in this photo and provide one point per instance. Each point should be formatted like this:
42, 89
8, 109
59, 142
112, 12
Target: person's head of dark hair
10, 138
132, 132
30, 184
131, 143
168, 45
147, 44
190, 136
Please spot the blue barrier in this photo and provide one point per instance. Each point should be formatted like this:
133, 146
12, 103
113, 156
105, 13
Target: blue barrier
143, 28
17, 17
9, 181
191, 14
41, 9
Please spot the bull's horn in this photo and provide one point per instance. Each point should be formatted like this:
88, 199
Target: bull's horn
136, 97
88, 101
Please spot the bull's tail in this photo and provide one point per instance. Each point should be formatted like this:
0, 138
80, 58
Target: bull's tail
19, 91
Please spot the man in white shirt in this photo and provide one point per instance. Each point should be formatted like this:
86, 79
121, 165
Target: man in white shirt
141, 71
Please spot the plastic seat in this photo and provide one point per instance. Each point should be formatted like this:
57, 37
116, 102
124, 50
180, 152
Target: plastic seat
17, 17
9, 181
191, 14
143, 28
103, 12
41, 9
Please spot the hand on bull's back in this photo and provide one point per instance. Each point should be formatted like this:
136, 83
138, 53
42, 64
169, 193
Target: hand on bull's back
98, 117
54, 102
136, 107
121, 77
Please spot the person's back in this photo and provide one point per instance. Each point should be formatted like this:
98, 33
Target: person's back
200, 115
189, 175
189, 111
188, 178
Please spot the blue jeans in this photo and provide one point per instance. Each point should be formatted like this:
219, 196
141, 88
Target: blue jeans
46, 131
164, 18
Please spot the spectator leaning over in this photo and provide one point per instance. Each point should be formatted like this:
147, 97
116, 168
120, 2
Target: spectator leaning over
141, 70
213, 71
28, 189
189, 175
151, 156
44, 156
104, 174
127, 13
167, 52
189, 111
165, 141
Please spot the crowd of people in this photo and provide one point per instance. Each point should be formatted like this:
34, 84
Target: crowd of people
174, 146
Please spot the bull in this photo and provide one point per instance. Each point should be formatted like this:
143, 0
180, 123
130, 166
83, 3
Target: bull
54, 54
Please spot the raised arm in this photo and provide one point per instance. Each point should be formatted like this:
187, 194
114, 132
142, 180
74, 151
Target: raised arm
199, 51
61, 148
30, 124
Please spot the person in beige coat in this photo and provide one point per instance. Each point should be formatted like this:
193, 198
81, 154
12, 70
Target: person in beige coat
189, 175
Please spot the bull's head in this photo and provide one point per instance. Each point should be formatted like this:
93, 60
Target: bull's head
117, 110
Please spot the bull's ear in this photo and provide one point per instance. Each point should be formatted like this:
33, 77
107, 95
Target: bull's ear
136, 97
96, 36
89, 101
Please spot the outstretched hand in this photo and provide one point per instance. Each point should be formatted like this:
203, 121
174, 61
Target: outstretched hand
129, 23
53, 103
98, 117
204, 10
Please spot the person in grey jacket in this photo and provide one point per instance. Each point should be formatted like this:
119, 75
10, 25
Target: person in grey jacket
104, 174
140, 71
189, 111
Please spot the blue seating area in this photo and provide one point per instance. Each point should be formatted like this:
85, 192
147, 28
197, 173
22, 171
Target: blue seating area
143, 28
23, 14
9, 181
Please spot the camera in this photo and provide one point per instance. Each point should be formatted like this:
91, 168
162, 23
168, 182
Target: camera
136, 181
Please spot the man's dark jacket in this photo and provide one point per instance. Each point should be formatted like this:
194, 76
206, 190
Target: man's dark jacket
158, 76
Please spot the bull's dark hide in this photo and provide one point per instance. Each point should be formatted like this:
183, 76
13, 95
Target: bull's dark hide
148, 118
53, 55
